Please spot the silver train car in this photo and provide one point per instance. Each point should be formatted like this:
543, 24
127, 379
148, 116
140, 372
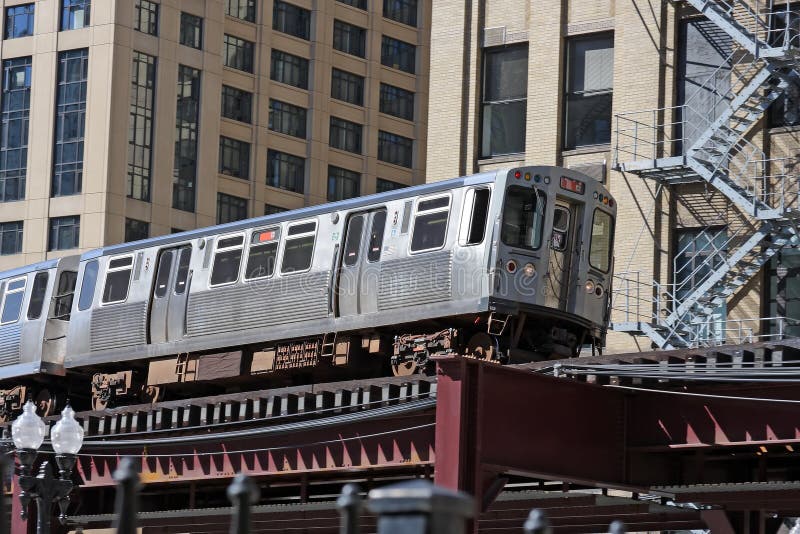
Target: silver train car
509, 265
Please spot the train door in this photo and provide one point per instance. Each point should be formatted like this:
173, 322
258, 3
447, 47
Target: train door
557, 284
170, 293
359, 270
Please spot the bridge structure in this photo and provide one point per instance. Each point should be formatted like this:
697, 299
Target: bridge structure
668, 440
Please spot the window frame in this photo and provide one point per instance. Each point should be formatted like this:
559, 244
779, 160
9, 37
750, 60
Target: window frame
541, 195
286, 68
153, 17
109, 270
29, 14
235, 93
191, 18
610, 251
217, 250
468, 216
8, 292
244, 53
417, 213
288, 237
230, 146
394, 45
278, 233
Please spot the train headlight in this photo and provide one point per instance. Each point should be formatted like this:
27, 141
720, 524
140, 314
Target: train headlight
529, 270
598, 290
511, 266
589, 286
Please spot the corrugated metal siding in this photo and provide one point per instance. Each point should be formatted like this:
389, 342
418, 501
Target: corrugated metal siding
9, 343
422, 279
120, 325
259, 304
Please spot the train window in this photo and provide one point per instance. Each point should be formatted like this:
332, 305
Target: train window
65, 293
118, 279
263, 254
602, 238
376, 236
523, 218
560, 219
299, 251
355, 229
12, 302
37, 295
183, 270
227, 260
163, 272
478, 216
430, 224
88, 285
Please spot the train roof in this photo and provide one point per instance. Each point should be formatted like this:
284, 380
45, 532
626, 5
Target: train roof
25, 269
309, 211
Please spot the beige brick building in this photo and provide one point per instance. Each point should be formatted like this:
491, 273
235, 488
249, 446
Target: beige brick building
131, 118
542, 83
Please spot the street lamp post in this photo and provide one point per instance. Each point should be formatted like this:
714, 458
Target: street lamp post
66, 437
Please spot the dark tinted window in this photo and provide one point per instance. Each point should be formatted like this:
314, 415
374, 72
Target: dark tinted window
117, 280
376, 236
261, 260
349, 39
354, 231
62, 305
227, 261
183, 270
291, 19
480, 212
602, 238
162, 277
297, 254
398, 54
37, 296
302, 228
237, 104
88, 285
433, 204
523, 218
429, 231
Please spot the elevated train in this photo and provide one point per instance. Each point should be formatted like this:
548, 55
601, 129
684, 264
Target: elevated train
510, 265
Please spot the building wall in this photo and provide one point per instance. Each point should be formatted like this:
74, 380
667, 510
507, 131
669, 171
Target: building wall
111, 40
645, 41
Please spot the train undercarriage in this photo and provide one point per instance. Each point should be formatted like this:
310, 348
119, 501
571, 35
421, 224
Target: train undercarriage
402, 350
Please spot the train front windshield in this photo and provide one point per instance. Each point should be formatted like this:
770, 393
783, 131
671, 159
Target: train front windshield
523, 218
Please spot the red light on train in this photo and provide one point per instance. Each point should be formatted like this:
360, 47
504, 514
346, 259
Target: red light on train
517, 174
266, 236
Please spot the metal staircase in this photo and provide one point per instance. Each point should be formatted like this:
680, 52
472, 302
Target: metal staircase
705, 140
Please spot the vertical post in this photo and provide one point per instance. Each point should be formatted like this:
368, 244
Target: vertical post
243, 493
126, 506
349, 504
419, 507
537, 523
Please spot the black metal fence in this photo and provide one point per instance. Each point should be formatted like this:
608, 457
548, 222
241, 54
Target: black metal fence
413, 507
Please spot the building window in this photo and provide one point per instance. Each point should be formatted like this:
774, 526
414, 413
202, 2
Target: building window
140, 132
505, 93
186, 124
136, 230
11, 238
785, 111
146, 17
382, 186
345, 135
349, 39
75, 14
360, 4
783, 296
238, 53
230, 208
285, 171
342, 184
19, 21
291, 19
287, 119
395, 149
14, 121
192, 31
289, 69
397, 102
73, 67
234, 157
398, 55
64, 232
590, 82
404, 11
347, 87
237, 104
241, 9
270, 209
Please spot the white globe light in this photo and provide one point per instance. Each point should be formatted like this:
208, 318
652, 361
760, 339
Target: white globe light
67, 435
28, 429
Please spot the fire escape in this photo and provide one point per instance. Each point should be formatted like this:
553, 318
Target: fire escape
705, 140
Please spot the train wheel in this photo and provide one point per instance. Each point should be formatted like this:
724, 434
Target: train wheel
46, 403
406, 368
481, 347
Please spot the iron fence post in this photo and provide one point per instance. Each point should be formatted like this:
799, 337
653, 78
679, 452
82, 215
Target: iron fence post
126, 507
349, 504
537, 523
419, 507
243, 493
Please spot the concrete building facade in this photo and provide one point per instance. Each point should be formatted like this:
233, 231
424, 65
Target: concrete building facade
124, 119
543, 83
